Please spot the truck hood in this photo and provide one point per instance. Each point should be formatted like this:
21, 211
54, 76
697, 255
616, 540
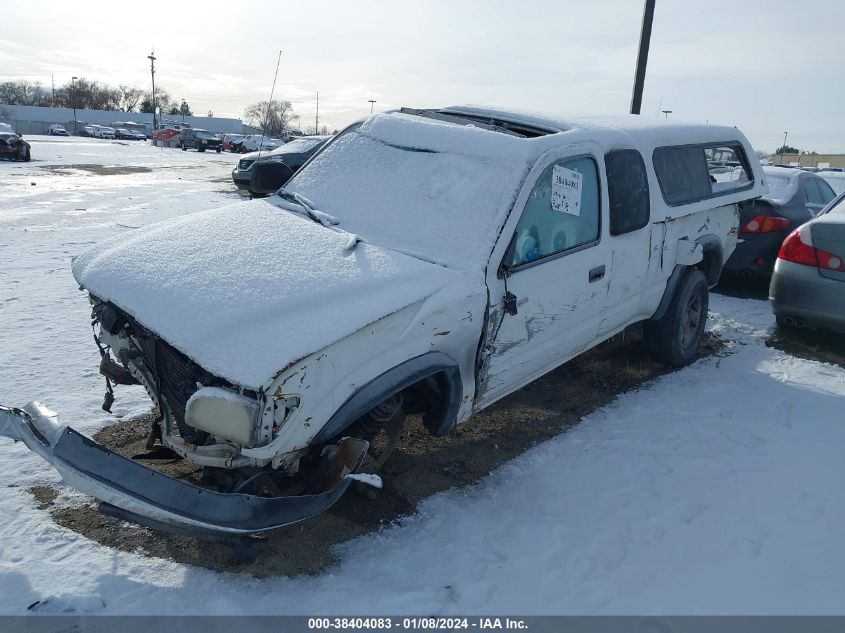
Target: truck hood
247, 289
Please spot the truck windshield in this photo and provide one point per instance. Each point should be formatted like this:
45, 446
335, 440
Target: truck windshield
440, 206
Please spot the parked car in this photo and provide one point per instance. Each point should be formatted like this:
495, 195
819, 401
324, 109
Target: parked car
123, 133
808, 283
106, 132
835, 178
57, 130
86, 131
12, 144
423, 262
795, 196
233, 142
199, 140
293, 155
254, 142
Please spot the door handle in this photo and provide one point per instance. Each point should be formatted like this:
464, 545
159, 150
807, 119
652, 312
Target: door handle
596, 273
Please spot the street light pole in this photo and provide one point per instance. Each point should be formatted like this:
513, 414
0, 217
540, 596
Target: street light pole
372, 101
73, 99
152, 59
317, 116
783, 148
666, 113
642, 57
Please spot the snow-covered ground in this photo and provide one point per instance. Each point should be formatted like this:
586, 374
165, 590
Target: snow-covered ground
714, 489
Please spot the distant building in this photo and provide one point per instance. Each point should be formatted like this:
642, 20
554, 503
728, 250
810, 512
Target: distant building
810, 160
36, 120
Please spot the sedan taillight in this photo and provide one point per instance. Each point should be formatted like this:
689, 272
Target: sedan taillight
798, 248
765, 224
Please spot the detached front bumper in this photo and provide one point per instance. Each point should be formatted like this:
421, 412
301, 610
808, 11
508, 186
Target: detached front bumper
136, 493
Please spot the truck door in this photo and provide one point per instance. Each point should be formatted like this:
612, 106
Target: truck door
629, 240
546, 299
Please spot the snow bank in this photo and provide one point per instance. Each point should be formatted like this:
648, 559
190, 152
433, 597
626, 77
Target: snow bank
439, 191
246, 289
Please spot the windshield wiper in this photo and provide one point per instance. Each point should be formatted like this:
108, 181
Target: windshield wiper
314, 214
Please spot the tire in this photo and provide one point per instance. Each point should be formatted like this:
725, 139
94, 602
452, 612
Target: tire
218, 150
28, 156
674, 338
184, 148
201, 148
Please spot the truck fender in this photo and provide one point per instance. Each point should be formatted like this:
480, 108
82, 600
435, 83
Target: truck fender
705, 253
393, 381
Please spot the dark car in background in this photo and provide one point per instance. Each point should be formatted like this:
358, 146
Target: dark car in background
200, 140
12, 144
795, 196
808, 283
291, 157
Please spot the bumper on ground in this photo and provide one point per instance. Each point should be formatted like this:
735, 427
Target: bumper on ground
136, 493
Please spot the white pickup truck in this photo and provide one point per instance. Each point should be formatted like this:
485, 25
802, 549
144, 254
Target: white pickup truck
423, 262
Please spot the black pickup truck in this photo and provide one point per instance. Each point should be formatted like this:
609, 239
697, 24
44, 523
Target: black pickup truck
200, 140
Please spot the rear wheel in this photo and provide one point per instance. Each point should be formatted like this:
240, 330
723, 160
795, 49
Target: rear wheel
674, 339
184, 147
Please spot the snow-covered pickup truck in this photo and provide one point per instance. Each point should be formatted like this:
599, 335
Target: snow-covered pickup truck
424, 262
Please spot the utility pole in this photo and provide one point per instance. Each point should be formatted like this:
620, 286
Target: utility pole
783, 148
642, 57
372, 101
73, 98
317, 116
152, 58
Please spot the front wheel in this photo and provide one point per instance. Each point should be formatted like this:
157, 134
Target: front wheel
184, 147
674, 338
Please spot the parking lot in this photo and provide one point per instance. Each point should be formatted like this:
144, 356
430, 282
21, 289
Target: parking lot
568, 492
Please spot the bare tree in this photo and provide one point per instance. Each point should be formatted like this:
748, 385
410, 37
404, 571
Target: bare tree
130, 97
273, 119
163, 101
23, 92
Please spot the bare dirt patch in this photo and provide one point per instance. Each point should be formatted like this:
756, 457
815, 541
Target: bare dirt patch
421, 466
100, 170
820, 345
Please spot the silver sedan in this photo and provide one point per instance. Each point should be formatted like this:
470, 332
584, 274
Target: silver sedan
808, 284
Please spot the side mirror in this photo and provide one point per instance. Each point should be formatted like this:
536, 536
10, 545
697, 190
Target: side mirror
268, 176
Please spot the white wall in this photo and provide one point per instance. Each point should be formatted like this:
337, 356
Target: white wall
36, 120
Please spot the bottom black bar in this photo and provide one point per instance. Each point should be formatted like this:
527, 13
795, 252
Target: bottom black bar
376, 623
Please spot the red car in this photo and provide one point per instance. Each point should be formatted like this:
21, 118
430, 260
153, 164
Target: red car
12, 144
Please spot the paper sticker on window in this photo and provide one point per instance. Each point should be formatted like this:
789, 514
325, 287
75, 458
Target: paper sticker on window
566, 190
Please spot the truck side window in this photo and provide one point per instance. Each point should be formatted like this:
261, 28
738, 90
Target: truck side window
682, 173
627, 186
562, 211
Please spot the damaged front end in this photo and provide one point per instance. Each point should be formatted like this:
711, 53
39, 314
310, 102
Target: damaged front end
201, 418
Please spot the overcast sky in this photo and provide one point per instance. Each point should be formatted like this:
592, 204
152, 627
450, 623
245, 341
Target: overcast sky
767, 66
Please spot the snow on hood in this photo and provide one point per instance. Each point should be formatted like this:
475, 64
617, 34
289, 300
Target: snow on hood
249, 288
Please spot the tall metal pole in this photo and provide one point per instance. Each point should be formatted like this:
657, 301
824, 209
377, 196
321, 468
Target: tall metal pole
372, 101
73, 98
783, 148
152, 59
317, 116
642, 57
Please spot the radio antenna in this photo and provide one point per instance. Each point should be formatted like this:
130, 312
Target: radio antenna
269, 105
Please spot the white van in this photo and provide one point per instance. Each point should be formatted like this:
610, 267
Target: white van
423, 262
